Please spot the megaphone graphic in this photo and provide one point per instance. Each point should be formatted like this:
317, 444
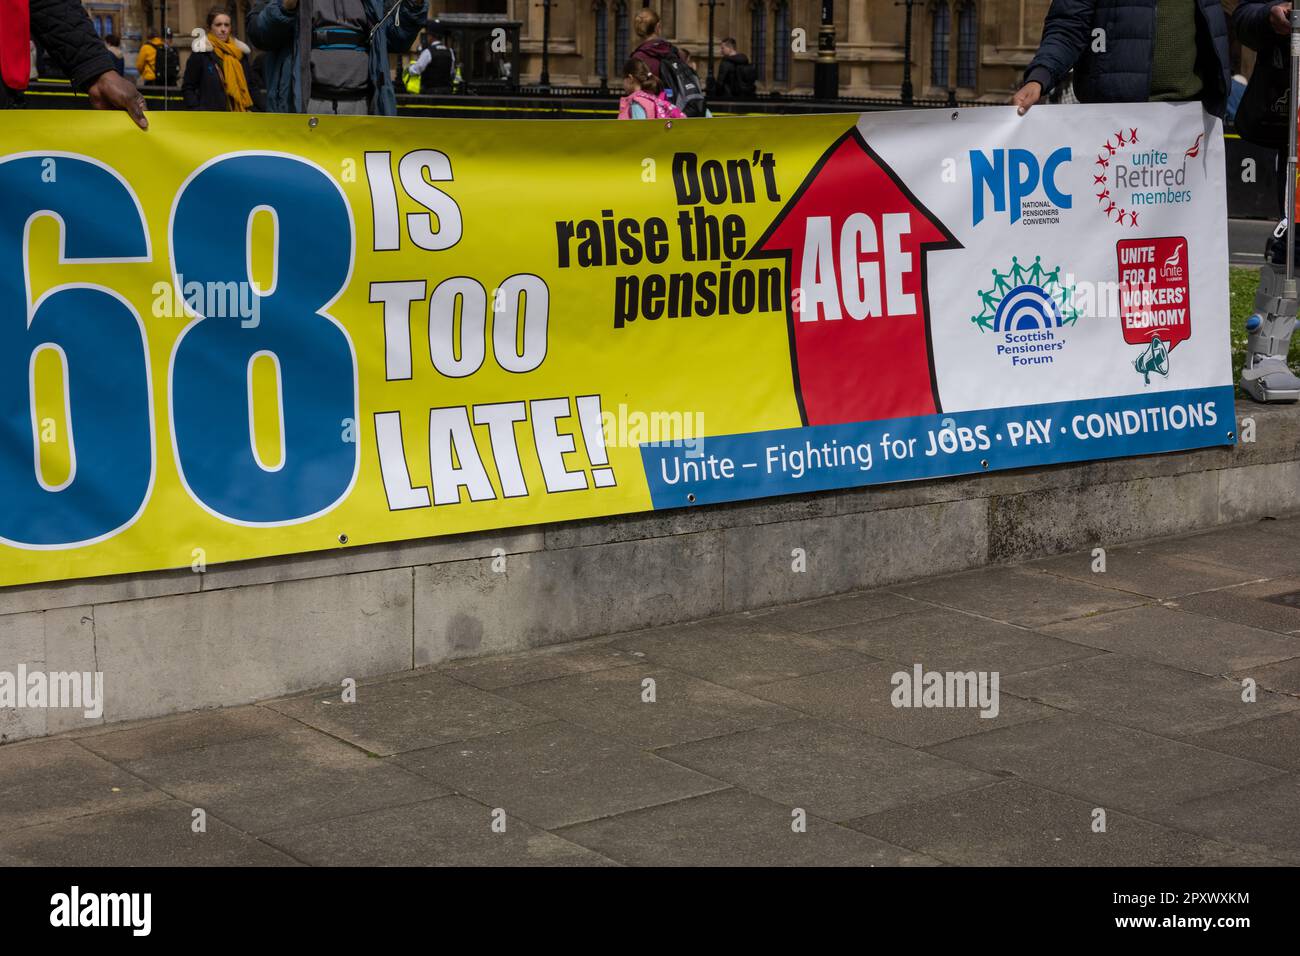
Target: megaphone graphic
1154, 359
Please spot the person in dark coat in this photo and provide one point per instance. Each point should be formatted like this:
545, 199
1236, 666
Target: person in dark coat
736, 75
1261, 23
216, 75
1154, 50
64, 30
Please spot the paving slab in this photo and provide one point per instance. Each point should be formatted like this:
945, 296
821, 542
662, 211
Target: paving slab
740, 654
1016, 824
1274, 741
1133, 568
733, 828
1144, 695
157, 835
1249, 604
1261, 817
408, 713
860, 698
154, 738
613, 702
946, 639
267, 783
493, 673
1020, 595
1111, 766
1282, 677
45, 781
447, 831
830, 771
552, 775
1286, 526
844, 609
1171, 636
1250, 548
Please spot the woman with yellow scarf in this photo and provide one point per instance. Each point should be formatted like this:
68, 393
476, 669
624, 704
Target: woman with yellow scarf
216, 76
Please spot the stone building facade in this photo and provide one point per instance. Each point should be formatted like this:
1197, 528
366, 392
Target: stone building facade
975, 48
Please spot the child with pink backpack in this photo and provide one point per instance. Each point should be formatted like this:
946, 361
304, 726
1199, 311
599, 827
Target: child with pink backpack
645, 97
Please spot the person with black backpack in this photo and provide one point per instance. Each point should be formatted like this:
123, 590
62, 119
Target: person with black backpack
737, 78
680, 82
158, 62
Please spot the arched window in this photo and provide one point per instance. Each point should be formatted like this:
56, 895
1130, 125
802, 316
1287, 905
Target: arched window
781, 42
940, 28
758, 37
622, 26
968, 46
602, 39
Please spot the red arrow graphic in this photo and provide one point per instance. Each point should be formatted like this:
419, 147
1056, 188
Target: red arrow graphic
855, 239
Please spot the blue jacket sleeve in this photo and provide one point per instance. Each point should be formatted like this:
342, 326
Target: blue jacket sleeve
1250, 21
1066, 34
402, 35
271, 26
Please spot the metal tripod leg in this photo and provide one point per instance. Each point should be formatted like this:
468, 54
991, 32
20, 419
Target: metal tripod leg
1266, 377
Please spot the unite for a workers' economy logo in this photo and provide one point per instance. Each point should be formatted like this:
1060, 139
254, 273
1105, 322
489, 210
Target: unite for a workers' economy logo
1027, 308
1154, 299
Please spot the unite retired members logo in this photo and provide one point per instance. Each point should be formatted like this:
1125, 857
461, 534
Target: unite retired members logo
1130, 177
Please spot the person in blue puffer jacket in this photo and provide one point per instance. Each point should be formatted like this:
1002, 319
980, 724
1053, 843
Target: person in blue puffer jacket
331, 56
1132, 51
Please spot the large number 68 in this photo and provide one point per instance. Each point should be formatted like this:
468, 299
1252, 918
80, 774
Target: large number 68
211, 364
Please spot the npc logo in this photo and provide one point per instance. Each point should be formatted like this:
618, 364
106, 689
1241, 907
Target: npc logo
1028, 309
1019, 184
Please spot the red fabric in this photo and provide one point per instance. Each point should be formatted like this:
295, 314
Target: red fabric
15, 39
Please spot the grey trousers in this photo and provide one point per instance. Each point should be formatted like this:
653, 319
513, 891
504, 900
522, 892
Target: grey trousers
339, 107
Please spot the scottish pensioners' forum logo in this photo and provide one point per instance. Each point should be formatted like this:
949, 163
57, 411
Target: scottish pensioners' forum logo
1027, 309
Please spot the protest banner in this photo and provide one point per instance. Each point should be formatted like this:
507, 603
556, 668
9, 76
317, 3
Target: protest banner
239, 336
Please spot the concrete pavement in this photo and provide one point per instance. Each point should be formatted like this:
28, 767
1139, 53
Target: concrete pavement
1147, 714
1246, 239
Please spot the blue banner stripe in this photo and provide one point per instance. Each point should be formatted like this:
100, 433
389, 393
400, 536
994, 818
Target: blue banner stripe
825, 457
